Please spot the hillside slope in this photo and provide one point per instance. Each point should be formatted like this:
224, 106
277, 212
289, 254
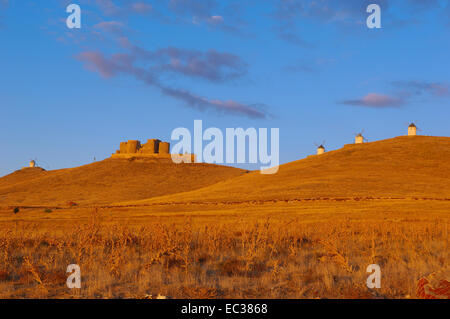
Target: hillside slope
400, 167
108, 181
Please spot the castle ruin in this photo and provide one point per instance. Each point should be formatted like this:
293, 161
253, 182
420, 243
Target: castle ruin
154, 148
134, 148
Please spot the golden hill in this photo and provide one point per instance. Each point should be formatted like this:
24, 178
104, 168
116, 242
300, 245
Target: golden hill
108, 181
402, 167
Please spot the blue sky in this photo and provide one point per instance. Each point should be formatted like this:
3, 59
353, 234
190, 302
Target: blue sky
139, 69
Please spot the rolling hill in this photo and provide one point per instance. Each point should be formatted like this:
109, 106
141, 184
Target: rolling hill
401, 167
108, 181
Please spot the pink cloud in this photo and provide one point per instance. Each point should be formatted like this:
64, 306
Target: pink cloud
376, 100
124, 64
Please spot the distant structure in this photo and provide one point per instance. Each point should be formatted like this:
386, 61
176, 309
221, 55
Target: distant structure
154, 148
32, 163
412, 130
359, 139
150, 149
320, 150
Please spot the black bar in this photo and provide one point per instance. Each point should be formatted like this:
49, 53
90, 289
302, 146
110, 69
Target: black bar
229, 308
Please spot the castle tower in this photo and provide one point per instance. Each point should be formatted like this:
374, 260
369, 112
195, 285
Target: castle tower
320, 150
359, 139
412, 130
123, 148
32, 164
133, 146
164, 148
151, 147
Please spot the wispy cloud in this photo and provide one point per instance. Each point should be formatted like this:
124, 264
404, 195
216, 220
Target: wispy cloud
289, 34
108, 7
141, 7
286, 14
208, 65
289, 13
148, 66
156, 67
228, 107
346, 15
376, 100
405, 92
220, 15
351, 12
421, 87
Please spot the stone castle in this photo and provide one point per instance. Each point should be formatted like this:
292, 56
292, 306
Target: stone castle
154, 148
134, 148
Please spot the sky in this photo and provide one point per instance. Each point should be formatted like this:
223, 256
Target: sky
140, 69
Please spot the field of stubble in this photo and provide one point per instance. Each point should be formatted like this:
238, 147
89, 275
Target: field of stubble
282, 251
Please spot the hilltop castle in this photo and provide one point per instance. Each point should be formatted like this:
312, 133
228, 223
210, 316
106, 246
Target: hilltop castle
134, 148
153, 148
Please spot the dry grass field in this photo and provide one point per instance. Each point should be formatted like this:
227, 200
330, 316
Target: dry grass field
309, 231
208, 255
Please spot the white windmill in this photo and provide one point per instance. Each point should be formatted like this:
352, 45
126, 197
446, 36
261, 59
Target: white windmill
359, 138
413, 128
33, 162
320, 148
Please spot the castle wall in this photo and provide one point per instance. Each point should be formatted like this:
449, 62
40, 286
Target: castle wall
133, 146
151, 147
123, 147
164, 148
154, 148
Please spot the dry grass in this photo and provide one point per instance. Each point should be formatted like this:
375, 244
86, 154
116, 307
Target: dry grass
262, 258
